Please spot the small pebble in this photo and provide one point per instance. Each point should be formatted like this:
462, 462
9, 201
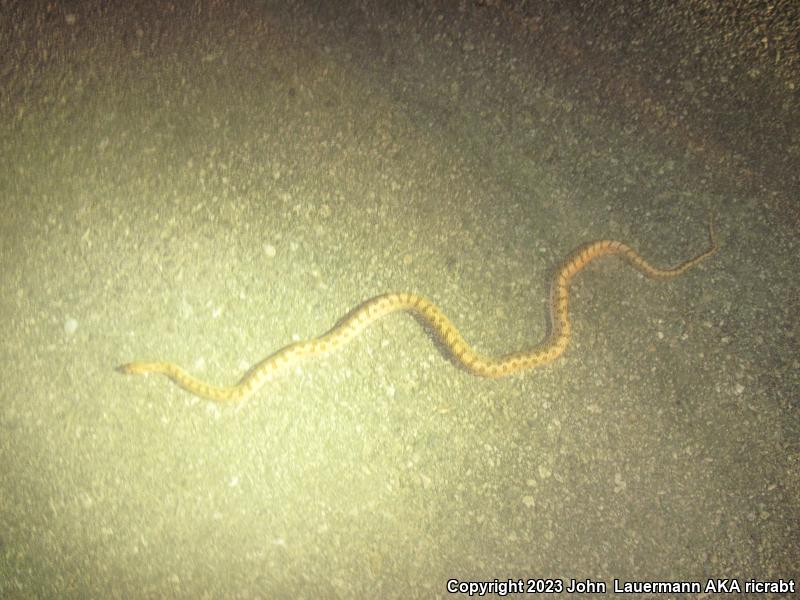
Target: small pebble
70, 326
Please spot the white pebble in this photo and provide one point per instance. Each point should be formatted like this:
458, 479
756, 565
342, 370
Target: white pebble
70, 326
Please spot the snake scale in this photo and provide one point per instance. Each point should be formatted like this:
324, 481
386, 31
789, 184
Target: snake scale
364, 315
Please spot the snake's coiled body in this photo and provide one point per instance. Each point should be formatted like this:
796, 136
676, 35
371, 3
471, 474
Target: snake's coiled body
370, 311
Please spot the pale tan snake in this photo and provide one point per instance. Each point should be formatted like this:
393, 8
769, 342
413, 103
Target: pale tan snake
371, 310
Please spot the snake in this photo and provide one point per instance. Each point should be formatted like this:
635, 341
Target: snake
453, 343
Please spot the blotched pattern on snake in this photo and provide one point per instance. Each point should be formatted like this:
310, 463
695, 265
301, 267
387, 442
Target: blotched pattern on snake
370, 311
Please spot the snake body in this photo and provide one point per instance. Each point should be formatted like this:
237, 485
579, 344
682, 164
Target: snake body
356, 321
